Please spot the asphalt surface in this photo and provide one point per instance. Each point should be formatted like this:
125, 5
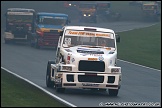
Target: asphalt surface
139, 84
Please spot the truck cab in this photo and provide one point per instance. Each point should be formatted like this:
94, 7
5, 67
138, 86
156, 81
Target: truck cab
151, 10
19, 24
86, 58
47, 29
71, 4
87, 12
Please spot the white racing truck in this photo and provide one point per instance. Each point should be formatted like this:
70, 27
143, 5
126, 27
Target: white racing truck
86, 58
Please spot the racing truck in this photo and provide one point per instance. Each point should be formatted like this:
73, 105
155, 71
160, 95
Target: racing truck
47, 29
86, 58
87, 12
151, 11
105, 13
19, 24
71, 4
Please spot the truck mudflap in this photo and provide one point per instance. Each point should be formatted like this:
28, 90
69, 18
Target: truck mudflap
90, 80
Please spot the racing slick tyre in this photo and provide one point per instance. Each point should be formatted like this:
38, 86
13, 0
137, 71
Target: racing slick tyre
7, 41
31, 43
60, 90
36, 44
113, 92
102, 90
94, 89
49, 83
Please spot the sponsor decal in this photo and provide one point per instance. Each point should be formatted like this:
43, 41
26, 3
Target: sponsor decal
100, 58
68, 50
108, 48
73, 60
110, 62
84, 54
83, 49
87, 33
90, 84
92, 59
20, 13
95, 54
53, 17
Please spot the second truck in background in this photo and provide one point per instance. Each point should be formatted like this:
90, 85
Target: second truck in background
47, 29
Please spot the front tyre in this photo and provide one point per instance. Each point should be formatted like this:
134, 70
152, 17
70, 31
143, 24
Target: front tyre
49, 83
36, 44
7, 41
113, 92
31, 43
59, 88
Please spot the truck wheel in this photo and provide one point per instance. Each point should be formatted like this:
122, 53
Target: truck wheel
7, 41
36, 44
49, 83
60, 90
113, 92
94, 89
31, 43
103, 90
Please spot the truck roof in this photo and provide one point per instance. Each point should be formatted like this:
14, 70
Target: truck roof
88, 28
51, 14
20, 10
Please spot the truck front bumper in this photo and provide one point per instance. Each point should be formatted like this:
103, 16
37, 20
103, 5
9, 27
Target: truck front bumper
90, 80
10, 36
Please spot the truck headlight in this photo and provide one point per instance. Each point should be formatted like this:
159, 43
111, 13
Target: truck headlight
84, 14
89, 15
67, 68
115, 70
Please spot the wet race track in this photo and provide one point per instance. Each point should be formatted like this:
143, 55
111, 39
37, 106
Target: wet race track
139, 84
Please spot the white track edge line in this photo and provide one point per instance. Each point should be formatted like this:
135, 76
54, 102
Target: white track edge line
54, 96
139, 65
137, 28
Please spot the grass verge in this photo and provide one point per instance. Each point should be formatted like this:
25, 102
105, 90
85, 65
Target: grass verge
17, 93
141, 46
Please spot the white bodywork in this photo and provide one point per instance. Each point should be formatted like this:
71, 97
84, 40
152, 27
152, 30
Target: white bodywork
86, 64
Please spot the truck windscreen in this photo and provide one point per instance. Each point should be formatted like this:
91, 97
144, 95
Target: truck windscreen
52, 21
19, 18
75, 38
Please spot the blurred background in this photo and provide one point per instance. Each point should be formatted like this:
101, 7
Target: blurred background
129, 10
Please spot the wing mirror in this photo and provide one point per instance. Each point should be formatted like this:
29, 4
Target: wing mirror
61, 33
117, 38
69, 21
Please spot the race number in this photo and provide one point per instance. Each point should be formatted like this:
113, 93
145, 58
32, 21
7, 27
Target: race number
67, 41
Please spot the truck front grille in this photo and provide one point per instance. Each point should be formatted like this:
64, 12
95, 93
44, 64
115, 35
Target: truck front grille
19, 35
90, 78
51, 37
98, 66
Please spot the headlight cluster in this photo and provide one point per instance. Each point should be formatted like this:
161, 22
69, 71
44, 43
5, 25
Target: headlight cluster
115, 70
67, 68
86, 14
